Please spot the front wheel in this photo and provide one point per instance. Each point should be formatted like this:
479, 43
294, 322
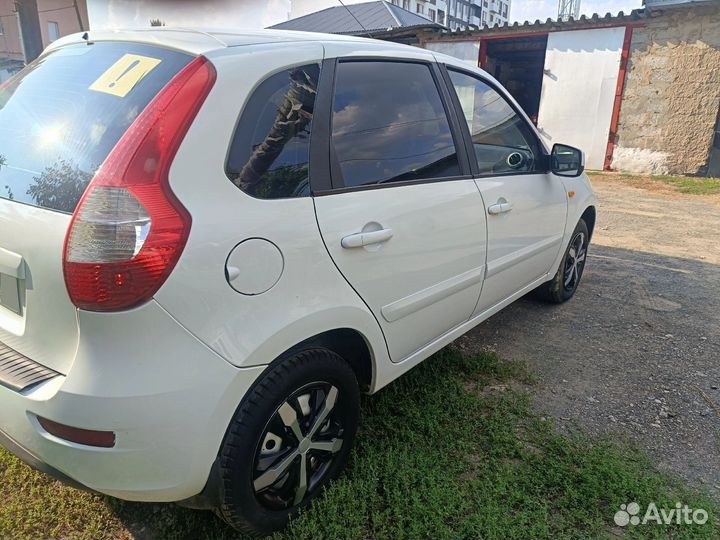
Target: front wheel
563, 285
290, 437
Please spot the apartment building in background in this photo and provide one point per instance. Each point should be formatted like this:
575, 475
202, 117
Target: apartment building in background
430, 9
57, 18
477, 13
451, 13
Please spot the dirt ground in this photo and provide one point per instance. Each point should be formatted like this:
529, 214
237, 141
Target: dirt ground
637, 351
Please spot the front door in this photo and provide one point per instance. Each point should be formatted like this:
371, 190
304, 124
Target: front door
403, 223
526, 206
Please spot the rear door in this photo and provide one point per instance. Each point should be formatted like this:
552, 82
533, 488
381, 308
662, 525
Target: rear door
526, 206
400, 215
59, 119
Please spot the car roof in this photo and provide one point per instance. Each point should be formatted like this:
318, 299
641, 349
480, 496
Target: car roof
199, 41
203, 40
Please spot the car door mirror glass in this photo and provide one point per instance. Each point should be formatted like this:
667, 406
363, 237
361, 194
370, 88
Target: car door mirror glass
567, 161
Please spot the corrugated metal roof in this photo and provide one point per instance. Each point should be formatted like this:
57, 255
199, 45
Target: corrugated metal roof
405, 17
368, 17
549, 25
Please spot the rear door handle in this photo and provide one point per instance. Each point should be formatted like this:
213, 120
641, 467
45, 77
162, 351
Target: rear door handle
366, 238
500, 207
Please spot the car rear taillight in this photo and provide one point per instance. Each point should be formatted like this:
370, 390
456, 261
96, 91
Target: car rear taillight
129, 229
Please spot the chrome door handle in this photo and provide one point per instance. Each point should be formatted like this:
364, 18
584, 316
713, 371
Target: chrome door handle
501, 207
366, 238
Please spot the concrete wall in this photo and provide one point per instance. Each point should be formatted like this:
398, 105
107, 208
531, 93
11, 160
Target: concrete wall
60, 11
468, 51
63, 13
10, 46
672, 93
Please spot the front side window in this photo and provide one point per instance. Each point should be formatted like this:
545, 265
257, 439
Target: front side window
502, 141
389, 124
270, 153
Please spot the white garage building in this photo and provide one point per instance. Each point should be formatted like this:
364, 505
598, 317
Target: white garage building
638, 92
566, 75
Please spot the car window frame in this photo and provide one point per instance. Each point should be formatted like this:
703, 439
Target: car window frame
543, 160
324, 177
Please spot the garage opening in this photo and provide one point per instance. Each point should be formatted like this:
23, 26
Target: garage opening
518, 64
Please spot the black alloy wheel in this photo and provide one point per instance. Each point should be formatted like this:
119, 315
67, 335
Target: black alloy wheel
575, 262
298, 446
566, 280
290, 437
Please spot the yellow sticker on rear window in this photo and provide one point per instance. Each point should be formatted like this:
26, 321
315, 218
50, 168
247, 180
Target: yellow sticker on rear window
124, 75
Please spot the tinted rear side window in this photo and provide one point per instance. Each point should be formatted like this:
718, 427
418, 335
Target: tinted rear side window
270, 153
62, 115
389, 124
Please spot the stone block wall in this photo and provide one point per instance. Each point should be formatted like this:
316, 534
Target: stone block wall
672, 93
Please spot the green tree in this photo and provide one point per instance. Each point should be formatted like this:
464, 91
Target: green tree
60, 186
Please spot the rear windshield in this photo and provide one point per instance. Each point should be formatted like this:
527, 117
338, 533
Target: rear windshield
62, 115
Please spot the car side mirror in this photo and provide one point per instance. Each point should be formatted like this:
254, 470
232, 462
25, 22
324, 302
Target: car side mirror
567, 161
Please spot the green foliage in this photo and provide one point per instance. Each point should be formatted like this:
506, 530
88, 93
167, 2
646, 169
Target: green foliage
682, 184
59, 186
285, 181
693, 186
453, 449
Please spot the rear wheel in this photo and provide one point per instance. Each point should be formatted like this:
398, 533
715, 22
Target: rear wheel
563, 285
291, 436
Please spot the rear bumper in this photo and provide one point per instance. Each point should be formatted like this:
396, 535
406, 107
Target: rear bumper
35, 462
166, 395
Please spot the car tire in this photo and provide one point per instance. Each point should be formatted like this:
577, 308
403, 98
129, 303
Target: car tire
303, 411
566, 280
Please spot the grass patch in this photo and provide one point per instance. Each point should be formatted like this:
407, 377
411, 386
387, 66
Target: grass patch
681, 184
453, 449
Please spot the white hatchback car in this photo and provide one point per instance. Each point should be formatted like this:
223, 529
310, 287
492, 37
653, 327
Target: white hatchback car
211, 242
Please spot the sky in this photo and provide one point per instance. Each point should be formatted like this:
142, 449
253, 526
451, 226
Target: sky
203, 13
530, 10
263, 13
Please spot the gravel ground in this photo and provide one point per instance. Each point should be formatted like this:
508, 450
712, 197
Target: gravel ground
637, 351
